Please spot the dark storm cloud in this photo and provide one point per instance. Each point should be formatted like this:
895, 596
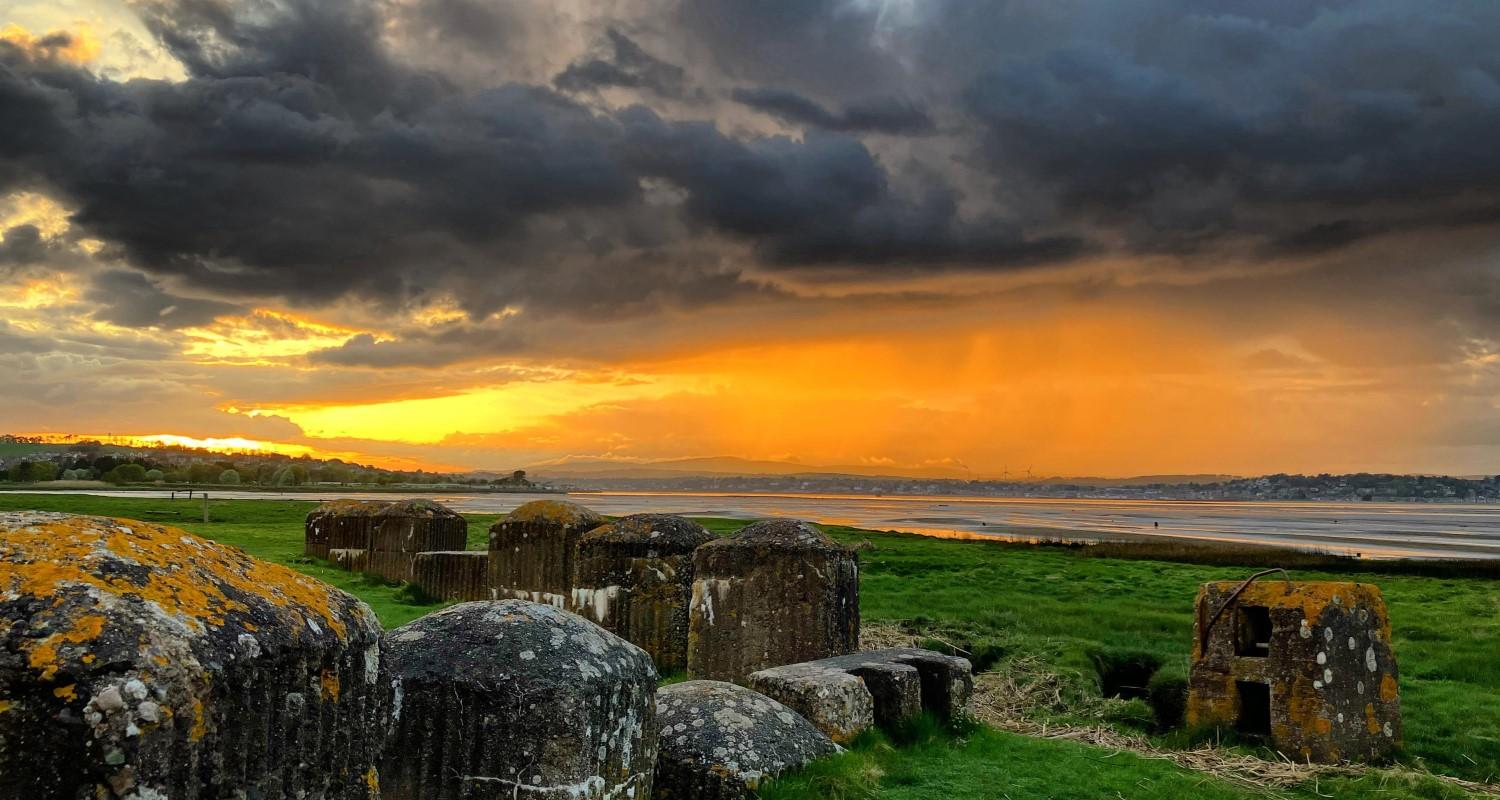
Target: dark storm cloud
1216, 128
306, 156
298, 159
26, 252
881, 115
130, 299
424, 349
824, 199
22, 246
626, 65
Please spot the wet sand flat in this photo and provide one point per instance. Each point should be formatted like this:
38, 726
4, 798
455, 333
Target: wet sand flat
1373, 530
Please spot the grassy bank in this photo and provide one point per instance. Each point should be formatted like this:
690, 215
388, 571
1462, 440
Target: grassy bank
1033, 608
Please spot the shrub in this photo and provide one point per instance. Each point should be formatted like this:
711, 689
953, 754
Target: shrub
1124, 673
1167, 692
155, 475
229, 476
126, 473
32, 471
1134, 713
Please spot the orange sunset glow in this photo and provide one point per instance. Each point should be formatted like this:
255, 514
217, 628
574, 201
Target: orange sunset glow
917, 247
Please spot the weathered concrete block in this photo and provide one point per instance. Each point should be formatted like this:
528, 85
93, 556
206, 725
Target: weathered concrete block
720, 741
389, 531
895, 689
833, 700
1308, 664
844, 695
138, 661
532, 550
776, 592
452, 574
513, 699
635, 578
947, 681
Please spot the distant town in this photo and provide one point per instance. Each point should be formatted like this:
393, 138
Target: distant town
33, 461
1348, 488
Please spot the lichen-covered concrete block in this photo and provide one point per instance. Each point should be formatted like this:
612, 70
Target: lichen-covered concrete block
720, 741
833, 700
532, 550
389, 531
514, 699
634, 576
844, 695
776, 592
452, 574
138, 661
1308, 664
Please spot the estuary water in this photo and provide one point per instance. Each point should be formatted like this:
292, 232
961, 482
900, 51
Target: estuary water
1372, 530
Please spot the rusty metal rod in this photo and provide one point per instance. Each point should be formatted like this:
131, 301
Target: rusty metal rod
1234, 595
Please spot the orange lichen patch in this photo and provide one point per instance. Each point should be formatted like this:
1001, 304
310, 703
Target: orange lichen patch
200, 722
186, 577
43, 654
1388, 688
425, 509
1371, 723
67, 693
559, 511
1217, 706
330, 681
351, 507
6, 705
372, 781
1313, 597
1305, 707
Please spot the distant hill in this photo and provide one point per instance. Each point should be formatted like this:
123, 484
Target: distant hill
725, 466
731, 466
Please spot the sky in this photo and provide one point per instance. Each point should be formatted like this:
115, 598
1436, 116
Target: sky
1075, 237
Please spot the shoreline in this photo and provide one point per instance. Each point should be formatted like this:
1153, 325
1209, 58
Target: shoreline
1368, 531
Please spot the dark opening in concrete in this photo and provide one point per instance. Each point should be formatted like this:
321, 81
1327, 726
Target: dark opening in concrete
1255, 708
1253, 636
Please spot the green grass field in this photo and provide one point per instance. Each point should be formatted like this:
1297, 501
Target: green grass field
1031, 605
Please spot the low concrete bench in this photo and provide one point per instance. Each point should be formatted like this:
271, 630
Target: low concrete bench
452, 574
349, 559
845, 695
